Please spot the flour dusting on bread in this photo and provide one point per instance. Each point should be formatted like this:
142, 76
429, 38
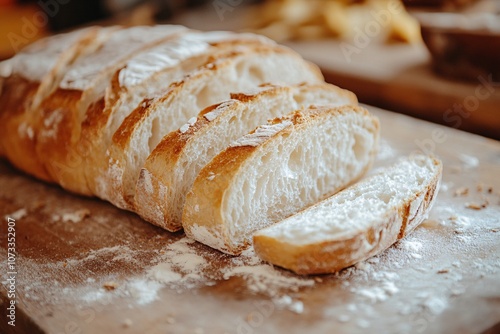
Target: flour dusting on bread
262, 133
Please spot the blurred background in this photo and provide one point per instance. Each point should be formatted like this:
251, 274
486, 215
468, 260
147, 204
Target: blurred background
438, 60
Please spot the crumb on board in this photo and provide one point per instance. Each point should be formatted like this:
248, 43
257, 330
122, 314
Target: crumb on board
38, 204
443, 271
110, 286
461, 191
477, 206
127, 323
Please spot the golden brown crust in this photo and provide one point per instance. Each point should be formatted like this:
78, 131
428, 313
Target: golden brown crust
19, 148
335, 255
61, 147
57, 132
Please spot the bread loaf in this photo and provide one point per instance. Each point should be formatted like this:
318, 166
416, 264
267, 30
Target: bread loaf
276, 171
27, 79
159, 120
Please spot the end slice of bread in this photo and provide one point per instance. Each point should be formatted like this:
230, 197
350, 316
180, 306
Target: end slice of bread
170, 170
276, 171
356, 223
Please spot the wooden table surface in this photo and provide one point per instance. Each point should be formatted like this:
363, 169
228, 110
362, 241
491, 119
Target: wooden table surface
397, 77
94, 275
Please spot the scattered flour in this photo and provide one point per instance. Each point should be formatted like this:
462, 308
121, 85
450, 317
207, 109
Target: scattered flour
180, 264
19, 214
144, 291
288, 303
385, 150
378, 293
190, 122
435, 305
186, 264
73, 217
265, 278
469, 161
412, 246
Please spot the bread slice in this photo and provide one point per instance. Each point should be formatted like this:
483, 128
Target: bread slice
147, 74
276, 171
141, 131
356, 223
60, 115
170, 170
28, 78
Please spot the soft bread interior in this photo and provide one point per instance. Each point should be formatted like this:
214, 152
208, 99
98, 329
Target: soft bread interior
239, 74
297, 169
356, 223
229, 121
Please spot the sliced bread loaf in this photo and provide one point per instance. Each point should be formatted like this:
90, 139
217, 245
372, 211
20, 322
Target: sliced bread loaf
356, 223
170, 170
143, 129
276, 171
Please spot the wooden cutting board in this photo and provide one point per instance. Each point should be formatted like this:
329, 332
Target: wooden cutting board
84, 266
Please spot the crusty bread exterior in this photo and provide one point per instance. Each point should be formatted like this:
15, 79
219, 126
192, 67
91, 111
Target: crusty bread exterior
207, 215
171, 168
332, 253
89, 118
143, 129
84, 83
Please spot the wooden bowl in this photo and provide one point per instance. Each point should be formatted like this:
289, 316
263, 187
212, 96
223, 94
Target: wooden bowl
463, 46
